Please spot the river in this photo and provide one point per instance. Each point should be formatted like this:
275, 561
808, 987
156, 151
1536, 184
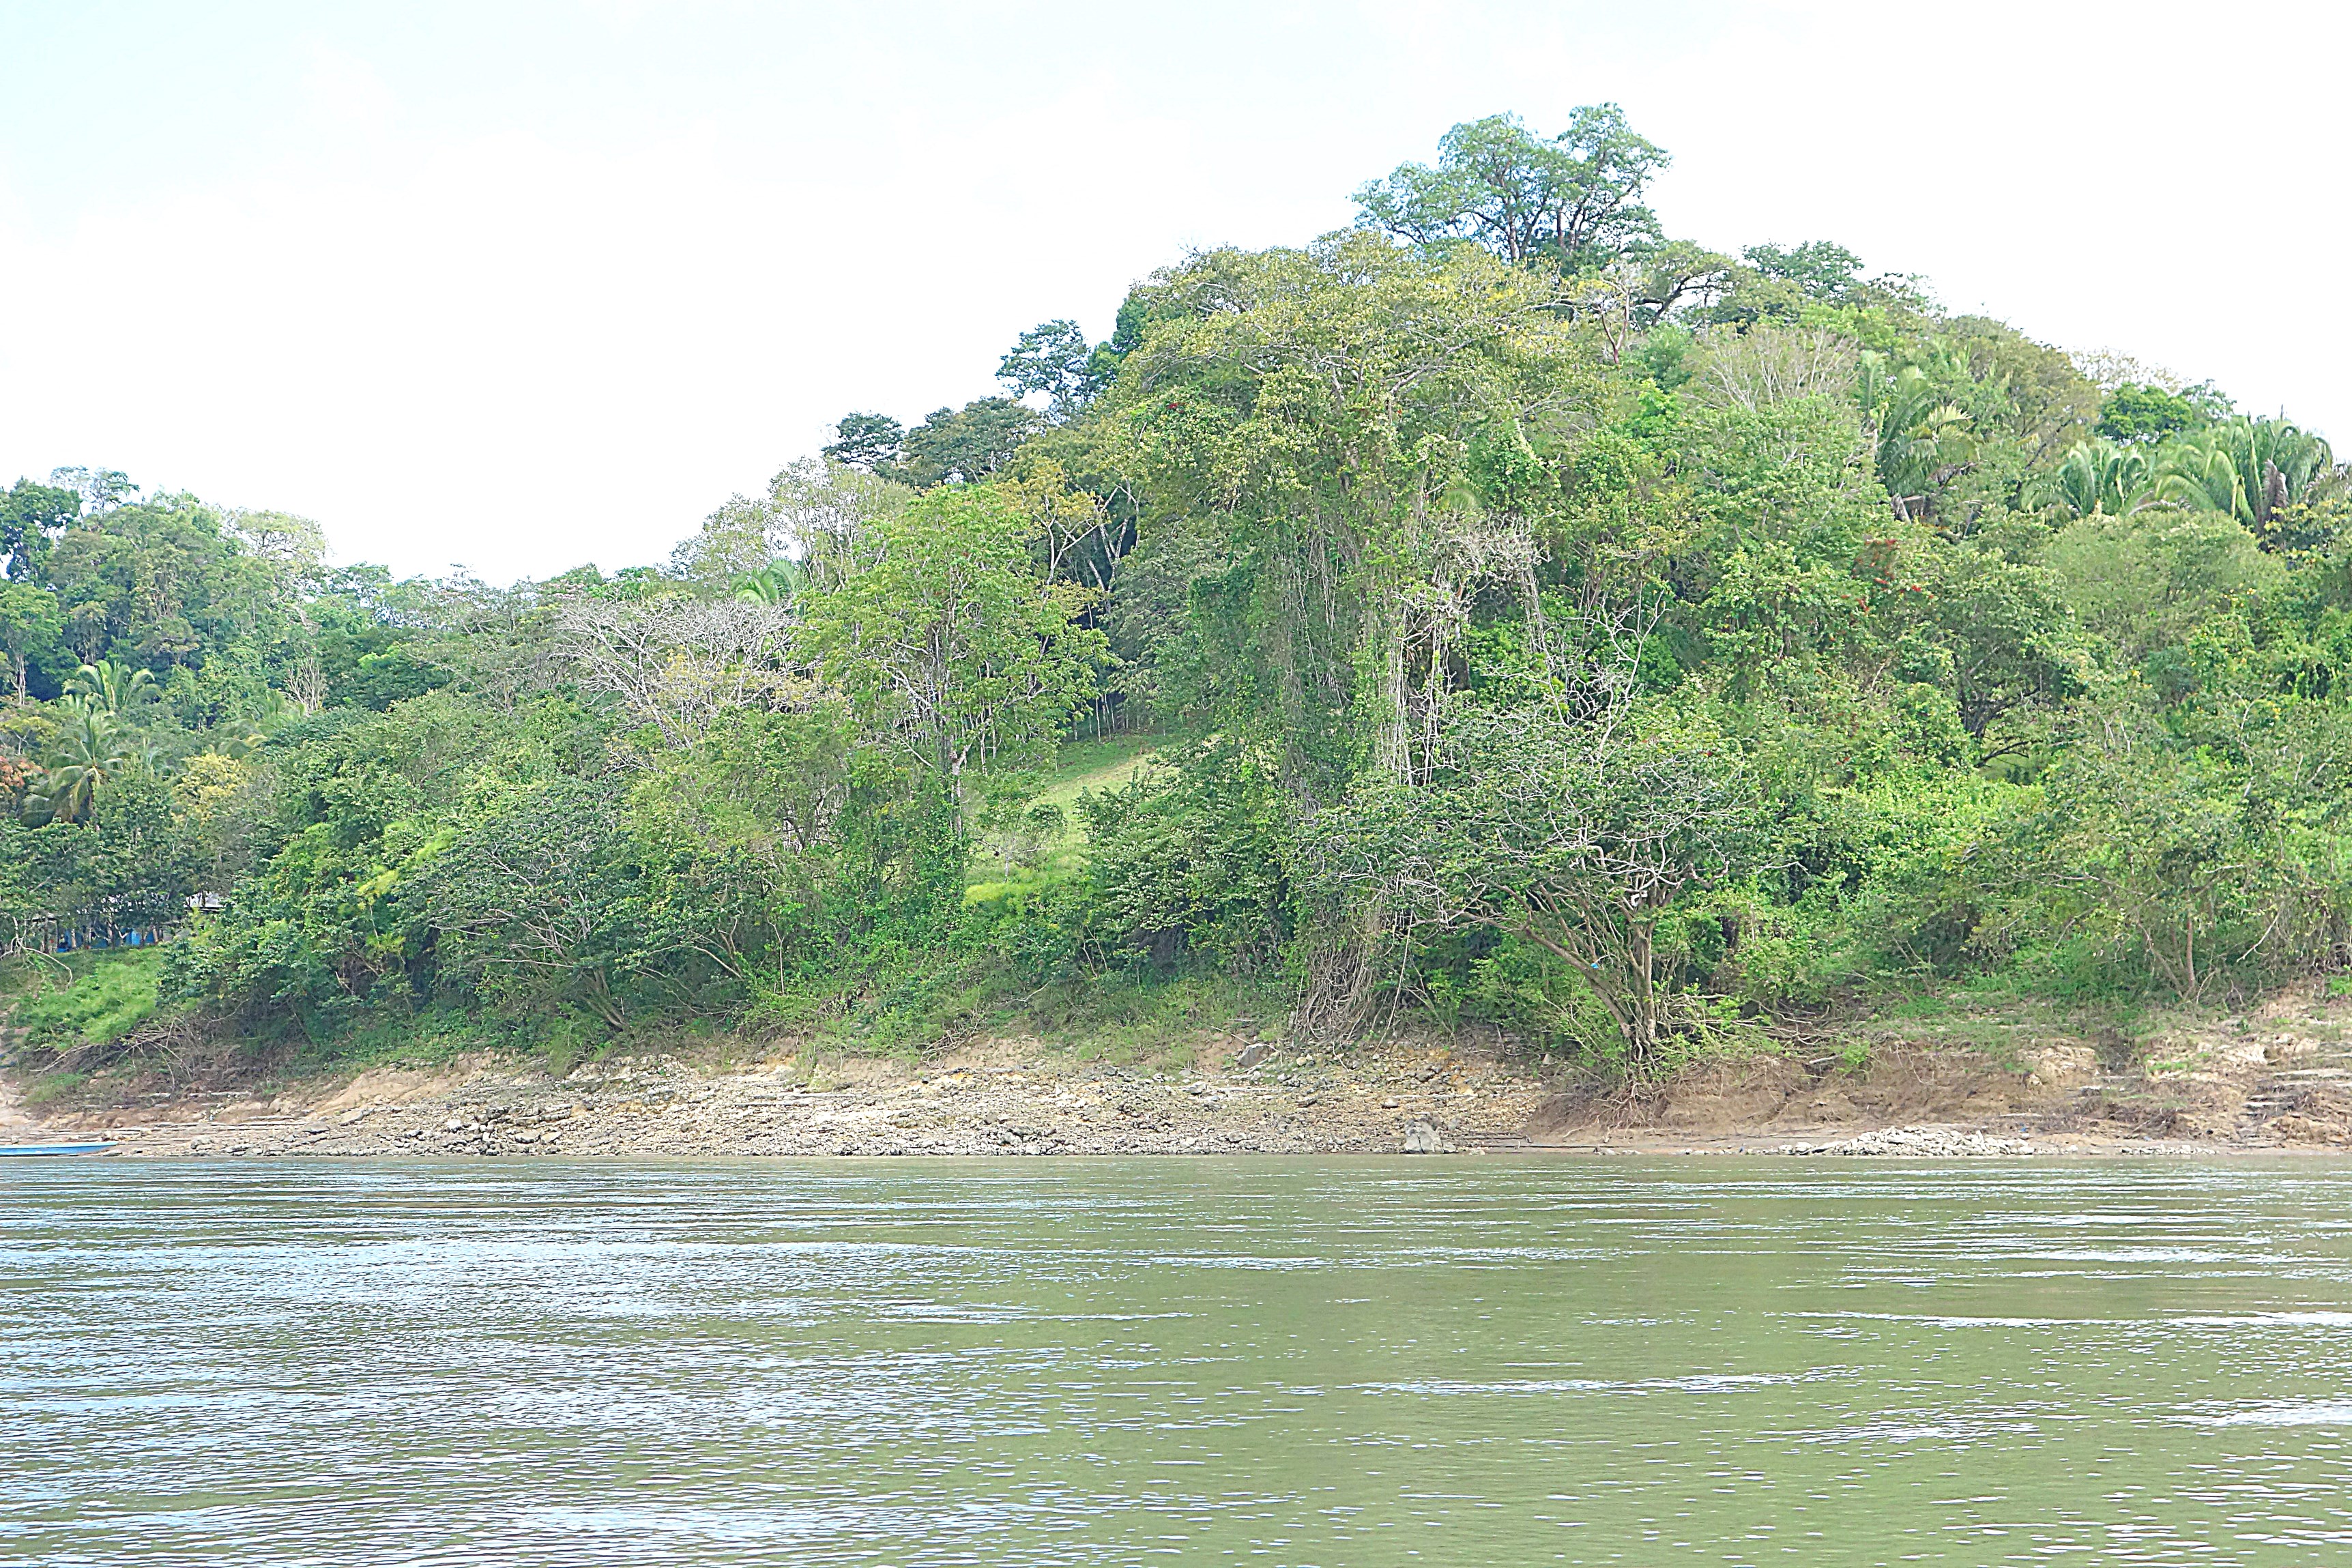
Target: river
1269, 1361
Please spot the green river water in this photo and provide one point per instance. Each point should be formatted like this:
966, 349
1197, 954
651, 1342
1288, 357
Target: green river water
1081, 1362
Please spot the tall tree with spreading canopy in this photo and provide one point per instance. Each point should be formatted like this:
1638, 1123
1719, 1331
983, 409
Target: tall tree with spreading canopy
1573, 200
1316, 411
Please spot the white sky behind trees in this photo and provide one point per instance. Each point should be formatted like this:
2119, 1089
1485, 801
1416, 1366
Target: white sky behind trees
522, 285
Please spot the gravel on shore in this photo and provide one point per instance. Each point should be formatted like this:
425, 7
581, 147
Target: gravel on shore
1405, 1102
1923, 1143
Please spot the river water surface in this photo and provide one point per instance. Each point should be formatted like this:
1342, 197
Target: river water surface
1113, 1361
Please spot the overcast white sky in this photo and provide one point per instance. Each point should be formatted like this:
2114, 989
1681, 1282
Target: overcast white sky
523, 285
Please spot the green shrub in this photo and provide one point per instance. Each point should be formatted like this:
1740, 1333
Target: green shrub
1189, 862
114, 997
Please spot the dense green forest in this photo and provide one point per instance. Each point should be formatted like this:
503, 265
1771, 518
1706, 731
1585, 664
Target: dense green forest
1515, 616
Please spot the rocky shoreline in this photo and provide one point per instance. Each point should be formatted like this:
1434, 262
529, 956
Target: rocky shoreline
664, 1106
2254, 1085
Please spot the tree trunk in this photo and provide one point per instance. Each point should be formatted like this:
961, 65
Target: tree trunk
1642, 1015
1392, 750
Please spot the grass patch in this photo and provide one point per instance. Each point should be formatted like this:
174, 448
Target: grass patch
89, 999
912, 1001
933, 1000
1104, 764
1125, 1018
50, 1087
1050, 835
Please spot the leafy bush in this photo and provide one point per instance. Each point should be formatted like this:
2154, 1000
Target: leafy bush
1187, 861
99, 1007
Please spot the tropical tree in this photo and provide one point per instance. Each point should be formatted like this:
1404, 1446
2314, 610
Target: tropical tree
1927, 434
1574, 832
2143, 414
680, 665
159, 581
30, 625
952, 645
1054, 358
1064, 520
18, 777
964, 446
1571, 201
813, 513
2098, 476
31, 515
91, 750
1819, 269
109, 687
536, 905
774, 583
2244, 469
870, 443
1318, 416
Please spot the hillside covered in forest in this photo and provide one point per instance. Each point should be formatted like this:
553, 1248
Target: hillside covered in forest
1496, 613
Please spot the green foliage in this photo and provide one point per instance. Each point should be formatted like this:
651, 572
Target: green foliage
2143, 415
2246, 469
2149, 581
31, 518
534, 902
963, 446
53, 1087
1539, 622
2212, 863
32, 631
1814, 284
334, 917
950, 645
96, 1006
1575, 832
2097, 476
870, 442
125, 863
1817, 269
1312, 414
1188, 863
1053, 359
1571, 200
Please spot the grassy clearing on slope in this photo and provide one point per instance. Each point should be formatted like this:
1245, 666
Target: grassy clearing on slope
84, 998
1047, 843
1085, 765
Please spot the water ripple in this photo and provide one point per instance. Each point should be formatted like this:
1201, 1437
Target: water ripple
1296, 1362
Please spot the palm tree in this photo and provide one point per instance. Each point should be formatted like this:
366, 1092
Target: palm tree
2096, 476
2248, 469
1925, 439
110, 686
774, 583
92, 750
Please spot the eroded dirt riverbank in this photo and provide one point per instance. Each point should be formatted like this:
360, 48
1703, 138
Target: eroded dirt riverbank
1003, 1099
2281, 1080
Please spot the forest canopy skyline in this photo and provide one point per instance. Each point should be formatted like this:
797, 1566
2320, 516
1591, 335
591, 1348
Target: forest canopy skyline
1573, 198
574, 284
